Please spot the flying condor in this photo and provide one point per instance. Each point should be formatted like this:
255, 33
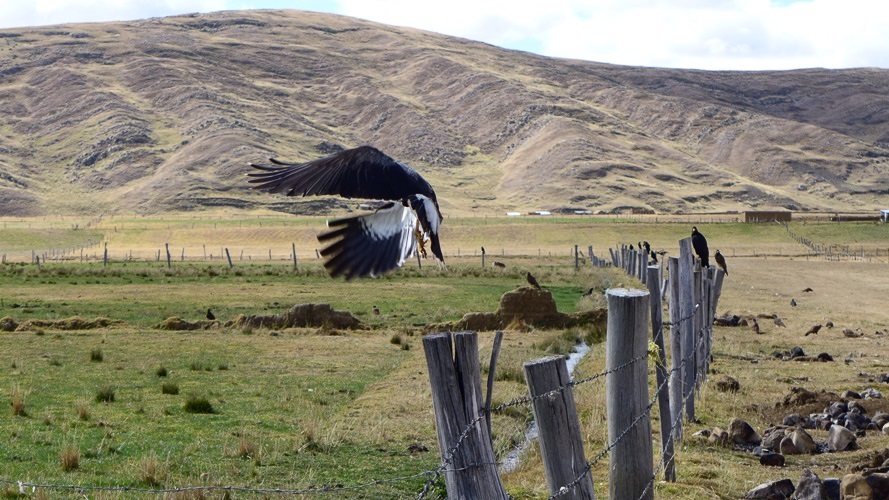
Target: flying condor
372, 244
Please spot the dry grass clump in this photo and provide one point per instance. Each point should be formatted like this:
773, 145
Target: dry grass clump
69, 457
17, 396
152, 471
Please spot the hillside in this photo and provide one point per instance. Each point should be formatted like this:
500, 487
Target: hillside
164, 114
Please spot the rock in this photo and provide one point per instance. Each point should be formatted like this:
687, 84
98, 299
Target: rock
702, 433
832, 488
772, 438
769, 491
836, 409
871, 393
727, 384
886, 428
856, 422
824, 357
859, 487
809, 487
787, 447
792, 419
772, 459
880, 418
850, 395
718, 436
857, 407
803, 441
740, 432
840, 438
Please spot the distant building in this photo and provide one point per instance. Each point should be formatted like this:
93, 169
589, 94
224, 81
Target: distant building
884, 215
767, 216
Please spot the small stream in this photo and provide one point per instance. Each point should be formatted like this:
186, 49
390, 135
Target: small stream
513, 458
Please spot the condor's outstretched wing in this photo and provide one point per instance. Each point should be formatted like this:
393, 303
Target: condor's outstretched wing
370, 245
362, 172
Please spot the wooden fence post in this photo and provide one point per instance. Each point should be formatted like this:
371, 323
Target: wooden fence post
229, 257
676, 346
293, 247
463, 438
687, 312
626, 394
169, 264
663, 392
560, 437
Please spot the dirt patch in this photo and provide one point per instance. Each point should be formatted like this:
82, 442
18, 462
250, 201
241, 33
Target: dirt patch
72, 323
302, 315
528, 306
806, 402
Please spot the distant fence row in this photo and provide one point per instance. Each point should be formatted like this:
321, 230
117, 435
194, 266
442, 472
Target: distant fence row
837, 253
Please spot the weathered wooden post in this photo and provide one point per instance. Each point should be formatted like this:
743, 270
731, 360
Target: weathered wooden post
293, 247
576, 258
676, 354
105, 258
483, 257
169, 264
663, 392
463, 438
640, 266
687, 327
626, 394
229, 257
560, 437
698, 327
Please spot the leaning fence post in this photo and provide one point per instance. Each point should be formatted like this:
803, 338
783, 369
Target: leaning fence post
464, 442
560, 437
663, 392
626, 394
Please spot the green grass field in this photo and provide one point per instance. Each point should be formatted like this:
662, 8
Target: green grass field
313, 407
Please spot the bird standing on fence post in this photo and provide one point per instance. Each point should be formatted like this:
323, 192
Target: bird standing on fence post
366, 245
699, 243
720, 261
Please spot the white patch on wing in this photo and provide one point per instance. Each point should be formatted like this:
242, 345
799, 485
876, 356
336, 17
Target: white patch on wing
395, 221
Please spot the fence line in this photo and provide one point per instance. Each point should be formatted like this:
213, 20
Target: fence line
692, 358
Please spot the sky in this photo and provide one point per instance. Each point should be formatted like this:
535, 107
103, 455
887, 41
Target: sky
692, 34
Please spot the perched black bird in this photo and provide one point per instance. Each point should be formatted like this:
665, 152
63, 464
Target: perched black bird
210, 315
647, 246
653, 256
807, 289
483, 250
720, 261
699, 243
792, 302
376, 310
829, 324
755, 327
372, 244
589, 292
532, 280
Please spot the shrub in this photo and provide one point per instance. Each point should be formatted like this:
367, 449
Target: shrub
170, 388
83, 411
18, 402
105, 395
195, 403
96, 355
396, 339
152, 471
69, 457
161, 371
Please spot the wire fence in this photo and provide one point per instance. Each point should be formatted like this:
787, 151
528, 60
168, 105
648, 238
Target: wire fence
433, 476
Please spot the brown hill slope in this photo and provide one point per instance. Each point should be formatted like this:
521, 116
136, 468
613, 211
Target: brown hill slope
164, 114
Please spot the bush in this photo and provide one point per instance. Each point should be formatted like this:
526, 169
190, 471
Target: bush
96, 355
170, 388
161, 371
105, 395
69, 457
195, 403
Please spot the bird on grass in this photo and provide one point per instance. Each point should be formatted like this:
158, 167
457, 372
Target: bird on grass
720, 261
848, 332
779, 322
829, 324
807, 290
499, 265
812, 330
371, 244
699, 243
755, 327
589, 292
792, 302
210, 315
376, 310
532, 280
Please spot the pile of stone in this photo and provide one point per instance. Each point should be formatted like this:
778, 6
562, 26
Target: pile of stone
811, 487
